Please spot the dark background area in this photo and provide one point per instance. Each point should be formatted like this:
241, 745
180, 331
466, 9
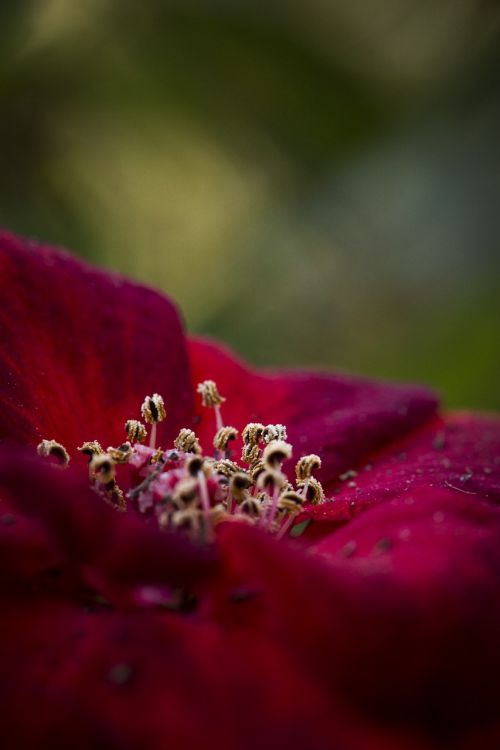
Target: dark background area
315, 183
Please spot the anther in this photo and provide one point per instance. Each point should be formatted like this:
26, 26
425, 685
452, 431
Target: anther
136, 432
223, 437
270, 480
257, 470
121, 454
251, 454
188, 520
312, 490
306, 466
226, 467
252, 433
211, 398
274, 432
290, 502
53, 449
153, 411
275, 453
91, 448
187, 442
239, 485
102, 468
251, 507
186, 492
195, 465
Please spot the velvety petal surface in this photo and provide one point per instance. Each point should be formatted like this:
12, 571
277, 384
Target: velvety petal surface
460, 452
53, 527
340, 417
80, 349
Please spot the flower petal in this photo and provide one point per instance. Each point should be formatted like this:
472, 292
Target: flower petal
459, 452
339, 417
397, 614
59, 522
80, 349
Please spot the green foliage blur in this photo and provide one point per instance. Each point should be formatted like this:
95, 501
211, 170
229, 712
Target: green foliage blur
315, 183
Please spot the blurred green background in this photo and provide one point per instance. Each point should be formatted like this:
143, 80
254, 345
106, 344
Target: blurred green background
314, 182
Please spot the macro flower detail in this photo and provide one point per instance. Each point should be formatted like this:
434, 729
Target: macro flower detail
368, 619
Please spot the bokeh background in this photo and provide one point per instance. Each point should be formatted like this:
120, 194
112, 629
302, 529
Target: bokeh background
315, 181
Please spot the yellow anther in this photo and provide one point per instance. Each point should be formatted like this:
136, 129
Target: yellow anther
153, 409
252, 433
121, 454
53, 449
257, 470
239, 485
187, 442
275, 453
251, 507
274, 432
102, 468
251, 454
189, 520
306, 466
223, 436
136, 432
270, 479
314, 492
116, 496
195, 464
91, 448
186, 492
210, 396
290, 502
225, 467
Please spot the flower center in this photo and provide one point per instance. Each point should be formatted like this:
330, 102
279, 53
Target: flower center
187, 491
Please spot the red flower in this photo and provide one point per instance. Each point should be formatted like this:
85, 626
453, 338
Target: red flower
377, 628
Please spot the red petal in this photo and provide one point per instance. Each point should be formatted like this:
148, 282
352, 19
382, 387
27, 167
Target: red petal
339, 417
80, 349
460, 452
58, 521
397, 615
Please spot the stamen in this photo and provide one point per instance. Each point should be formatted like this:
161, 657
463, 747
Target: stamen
211, 398
187, 442
153, 411
53, 449
194, 465
253, 432
205, 503
251, 454
223, 437
186, 492
312, 491
239, 484
91, 448
274, 432
226, 467
122, 454
272, 482
136, 432
290, 503
306, 466
275, 453
251, 507
102, 469
182, 489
